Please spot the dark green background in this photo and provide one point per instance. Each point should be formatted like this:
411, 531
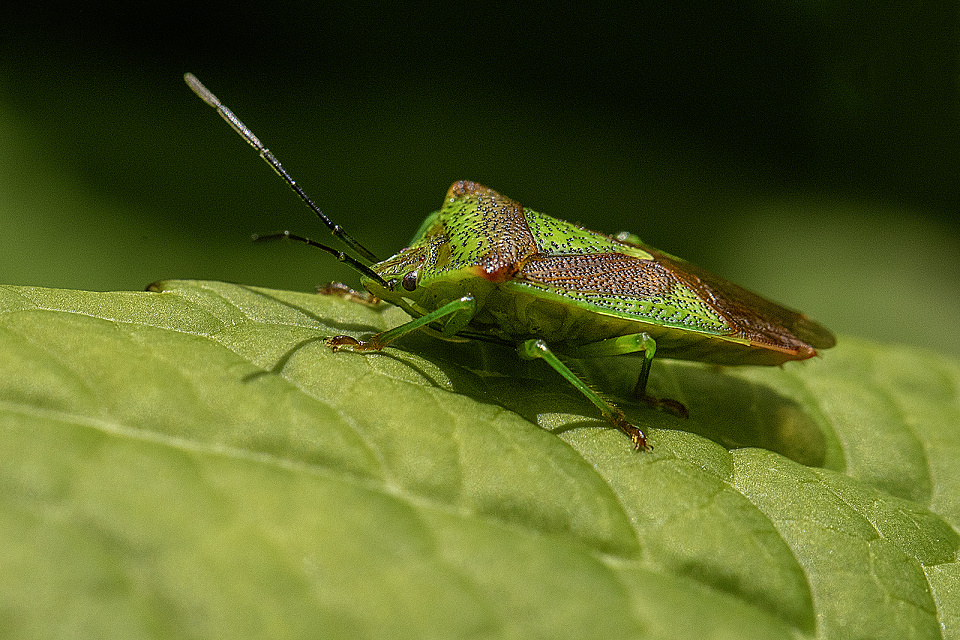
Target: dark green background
807, 150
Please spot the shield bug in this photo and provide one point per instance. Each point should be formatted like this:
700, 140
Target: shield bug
485, 267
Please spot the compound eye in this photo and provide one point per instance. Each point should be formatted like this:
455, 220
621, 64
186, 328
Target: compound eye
409, 281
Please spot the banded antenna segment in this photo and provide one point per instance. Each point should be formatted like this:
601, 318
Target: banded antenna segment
212, 100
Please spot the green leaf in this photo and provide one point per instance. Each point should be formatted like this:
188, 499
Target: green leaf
194, 462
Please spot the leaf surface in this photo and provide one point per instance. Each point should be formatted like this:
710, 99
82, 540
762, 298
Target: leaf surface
194, 462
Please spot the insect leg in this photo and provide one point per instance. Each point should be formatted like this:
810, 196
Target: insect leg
459, 312
536, 348
340, 290
632, 343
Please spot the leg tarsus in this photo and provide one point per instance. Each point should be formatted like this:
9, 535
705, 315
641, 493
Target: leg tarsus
340, 290
352, 344
634, 433
673, 407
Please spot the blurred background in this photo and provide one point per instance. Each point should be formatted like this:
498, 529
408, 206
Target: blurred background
808, 151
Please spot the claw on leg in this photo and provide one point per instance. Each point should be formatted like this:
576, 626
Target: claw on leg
352, 344
636, 436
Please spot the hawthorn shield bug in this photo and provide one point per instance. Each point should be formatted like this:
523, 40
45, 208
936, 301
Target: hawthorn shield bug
485, 267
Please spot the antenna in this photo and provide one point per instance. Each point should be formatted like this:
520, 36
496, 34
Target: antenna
270, 159
339, 255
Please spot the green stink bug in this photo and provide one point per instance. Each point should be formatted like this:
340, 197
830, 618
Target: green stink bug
485, 267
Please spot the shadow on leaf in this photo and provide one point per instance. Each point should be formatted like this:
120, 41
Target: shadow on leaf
723, 408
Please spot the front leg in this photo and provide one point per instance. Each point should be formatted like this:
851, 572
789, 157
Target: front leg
458, 314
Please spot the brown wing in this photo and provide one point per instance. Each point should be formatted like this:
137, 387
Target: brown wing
695, 315
756, 318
